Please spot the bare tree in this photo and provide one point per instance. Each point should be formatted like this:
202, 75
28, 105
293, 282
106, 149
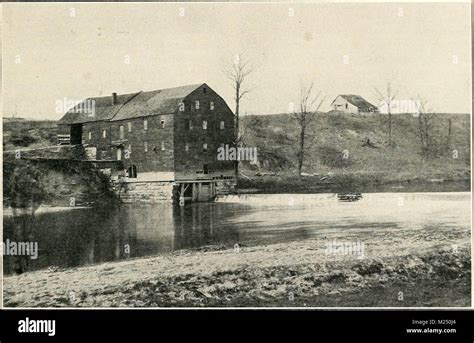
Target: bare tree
425, 127
309, 105
387, 97
238, 74
448, 136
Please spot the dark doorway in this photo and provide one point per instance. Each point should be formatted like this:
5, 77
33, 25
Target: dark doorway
76, 134
132, 171
205, 169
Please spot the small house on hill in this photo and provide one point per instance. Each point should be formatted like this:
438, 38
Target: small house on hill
350, 103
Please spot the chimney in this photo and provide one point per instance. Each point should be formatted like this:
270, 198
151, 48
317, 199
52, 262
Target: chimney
114, 98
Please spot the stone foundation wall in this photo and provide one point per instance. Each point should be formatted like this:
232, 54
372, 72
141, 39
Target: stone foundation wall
145, 192
159, 191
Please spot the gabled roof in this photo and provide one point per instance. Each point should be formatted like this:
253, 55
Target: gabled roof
357, 101
162, 101
133, 105
101, 107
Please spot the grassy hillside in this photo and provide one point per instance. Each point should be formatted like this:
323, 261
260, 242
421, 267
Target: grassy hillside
336, 150
335, 154
23, 133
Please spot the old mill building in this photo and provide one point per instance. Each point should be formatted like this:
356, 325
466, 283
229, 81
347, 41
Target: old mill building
161, 137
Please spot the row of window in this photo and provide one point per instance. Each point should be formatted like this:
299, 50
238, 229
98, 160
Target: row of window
129, 127
163, 148
197, 106
204, 125
145, 127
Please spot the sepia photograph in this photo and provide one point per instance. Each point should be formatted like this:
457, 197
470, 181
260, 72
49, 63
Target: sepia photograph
236, 155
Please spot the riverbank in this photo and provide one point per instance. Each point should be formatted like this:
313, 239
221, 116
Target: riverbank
427, 266
274, 183
9, 212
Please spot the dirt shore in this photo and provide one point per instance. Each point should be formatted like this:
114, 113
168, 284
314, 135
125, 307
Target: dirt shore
423, 267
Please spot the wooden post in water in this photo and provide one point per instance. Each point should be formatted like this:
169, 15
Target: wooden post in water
181, 196
195, 197
212, 190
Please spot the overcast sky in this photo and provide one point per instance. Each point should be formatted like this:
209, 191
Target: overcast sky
53, 52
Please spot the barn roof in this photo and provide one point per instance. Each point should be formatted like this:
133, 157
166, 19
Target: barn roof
162, 101
133, 105
357, 101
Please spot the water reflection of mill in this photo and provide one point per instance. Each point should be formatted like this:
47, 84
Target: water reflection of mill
79, 236
86, 236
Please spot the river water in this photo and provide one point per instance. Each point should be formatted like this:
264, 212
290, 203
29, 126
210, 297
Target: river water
85, 236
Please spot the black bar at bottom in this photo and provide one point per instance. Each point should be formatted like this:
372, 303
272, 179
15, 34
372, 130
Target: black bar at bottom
242, 325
